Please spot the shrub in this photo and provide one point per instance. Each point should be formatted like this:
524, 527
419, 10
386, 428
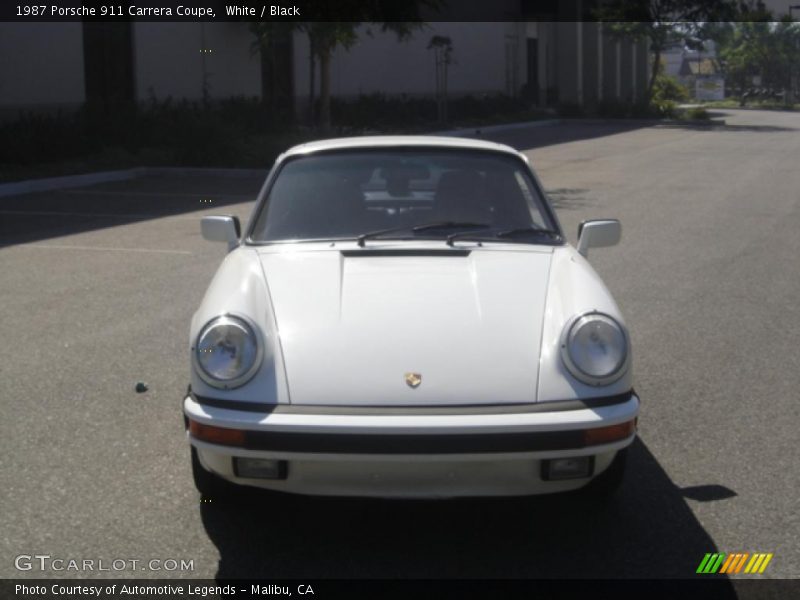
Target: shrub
667, 92
613, 109
663, 108
183, 133
381, 112
570, 109
34, 137
698, 114
378, 111
668, 88
233, 132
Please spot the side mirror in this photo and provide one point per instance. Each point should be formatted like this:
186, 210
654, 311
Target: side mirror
222, 229
598, 234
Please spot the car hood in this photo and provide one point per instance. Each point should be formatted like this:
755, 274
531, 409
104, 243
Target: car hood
353, 326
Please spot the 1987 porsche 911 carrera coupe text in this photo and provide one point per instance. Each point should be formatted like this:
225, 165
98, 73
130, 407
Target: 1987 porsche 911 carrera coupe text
402, 317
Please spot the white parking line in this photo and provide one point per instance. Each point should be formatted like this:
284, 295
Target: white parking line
102, 248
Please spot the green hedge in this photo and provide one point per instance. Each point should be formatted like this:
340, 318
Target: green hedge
184, 133
240, 132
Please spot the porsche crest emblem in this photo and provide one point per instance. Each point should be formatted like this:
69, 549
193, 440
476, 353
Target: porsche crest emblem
413, 379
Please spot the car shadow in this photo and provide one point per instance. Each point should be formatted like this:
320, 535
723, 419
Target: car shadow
43, 215
646, 531
32, 217
530, 138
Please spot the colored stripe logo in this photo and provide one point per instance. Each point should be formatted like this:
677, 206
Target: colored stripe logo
734, 562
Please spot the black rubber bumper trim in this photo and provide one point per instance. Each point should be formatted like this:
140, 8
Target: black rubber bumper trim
464, 409
416, 443
333, 443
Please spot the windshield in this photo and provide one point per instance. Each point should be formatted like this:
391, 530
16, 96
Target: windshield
400, 194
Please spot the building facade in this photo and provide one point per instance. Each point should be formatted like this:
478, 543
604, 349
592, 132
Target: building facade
51, 66
549, 63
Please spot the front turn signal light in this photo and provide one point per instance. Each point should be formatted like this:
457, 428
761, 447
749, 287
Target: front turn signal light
608, 434
216, 435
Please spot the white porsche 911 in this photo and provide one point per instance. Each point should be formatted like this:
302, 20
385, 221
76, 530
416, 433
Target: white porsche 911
403, 317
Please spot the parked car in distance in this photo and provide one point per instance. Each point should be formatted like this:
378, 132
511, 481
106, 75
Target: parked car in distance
403, 317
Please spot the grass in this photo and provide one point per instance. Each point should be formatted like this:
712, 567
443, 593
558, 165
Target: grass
757, 104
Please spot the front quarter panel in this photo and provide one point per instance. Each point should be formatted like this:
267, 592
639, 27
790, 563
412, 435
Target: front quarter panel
574, 288
239, 288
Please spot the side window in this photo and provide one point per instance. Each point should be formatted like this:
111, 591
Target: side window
523, 187
530, 198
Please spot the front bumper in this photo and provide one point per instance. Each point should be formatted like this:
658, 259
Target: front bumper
414, 452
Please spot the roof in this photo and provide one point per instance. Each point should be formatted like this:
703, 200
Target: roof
394, 141
693, 66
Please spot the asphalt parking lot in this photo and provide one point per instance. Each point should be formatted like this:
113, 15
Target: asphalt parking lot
98, 284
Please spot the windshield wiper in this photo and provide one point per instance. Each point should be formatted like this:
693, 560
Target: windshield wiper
529, 229
424, 227
506, 233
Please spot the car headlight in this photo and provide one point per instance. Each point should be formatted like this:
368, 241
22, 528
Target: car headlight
594, 347
228, 352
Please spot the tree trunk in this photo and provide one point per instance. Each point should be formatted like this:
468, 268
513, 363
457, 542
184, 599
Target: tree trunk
653, 75
325, 89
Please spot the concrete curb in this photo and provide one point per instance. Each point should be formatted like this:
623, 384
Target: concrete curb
696, 124
612, 121
17, 188
478, 131
496, 128
646, 122
68, 181
756, 108
231, 172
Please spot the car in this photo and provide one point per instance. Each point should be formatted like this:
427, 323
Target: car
402, 317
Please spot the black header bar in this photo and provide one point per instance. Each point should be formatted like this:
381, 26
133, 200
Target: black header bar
375, 11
